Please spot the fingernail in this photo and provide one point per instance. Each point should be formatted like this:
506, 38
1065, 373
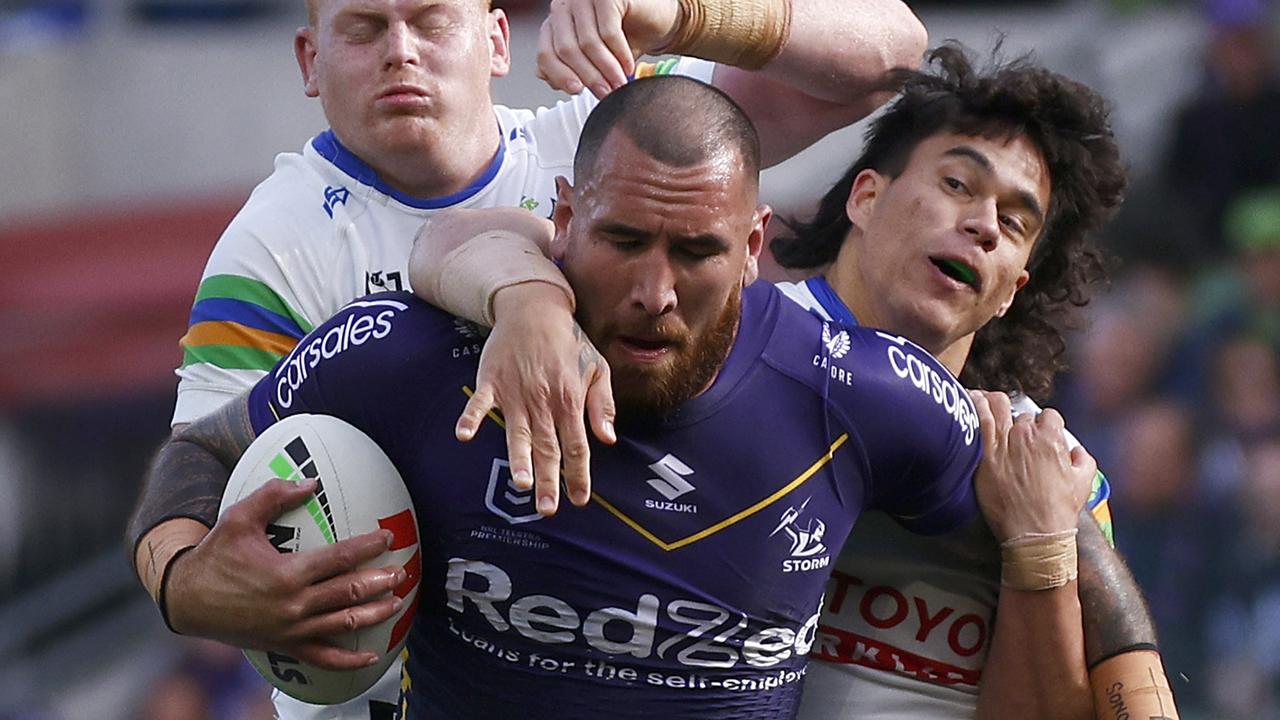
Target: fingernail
610, 430
396, 604
524, 479
400, 575
388, 538
581, 497
371, 660
464, 433
600, 90
573, 87
546, 504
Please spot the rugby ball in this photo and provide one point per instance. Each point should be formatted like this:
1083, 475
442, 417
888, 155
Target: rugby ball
358, 490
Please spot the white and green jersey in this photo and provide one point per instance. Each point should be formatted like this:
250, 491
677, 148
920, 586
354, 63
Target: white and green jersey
906, 621
324, 229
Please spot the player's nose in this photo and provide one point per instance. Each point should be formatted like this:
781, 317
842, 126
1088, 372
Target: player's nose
654, 284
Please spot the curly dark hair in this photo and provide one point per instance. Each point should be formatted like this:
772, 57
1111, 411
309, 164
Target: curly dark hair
1023, 350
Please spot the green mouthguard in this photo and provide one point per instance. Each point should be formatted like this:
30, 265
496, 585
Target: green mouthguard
962, 272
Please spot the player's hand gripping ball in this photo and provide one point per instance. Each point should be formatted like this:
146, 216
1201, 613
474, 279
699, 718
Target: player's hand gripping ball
358, 491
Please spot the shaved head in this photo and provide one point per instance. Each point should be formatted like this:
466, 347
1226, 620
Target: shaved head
675, 120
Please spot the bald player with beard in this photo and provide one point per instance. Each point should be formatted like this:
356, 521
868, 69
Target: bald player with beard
413, 130
965, 226
776, 436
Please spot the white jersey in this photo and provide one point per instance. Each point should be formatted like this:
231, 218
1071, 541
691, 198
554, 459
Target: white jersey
907, 618
322, 230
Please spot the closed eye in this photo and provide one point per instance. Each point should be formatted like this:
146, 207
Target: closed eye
361, 28
699, 252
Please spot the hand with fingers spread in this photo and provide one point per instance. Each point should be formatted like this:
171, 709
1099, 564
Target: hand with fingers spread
594, 43
235, 587
539, 367
1028, 482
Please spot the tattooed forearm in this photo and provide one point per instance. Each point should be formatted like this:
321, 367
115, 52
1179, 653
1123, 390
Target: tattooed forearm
1115, 615
190, 471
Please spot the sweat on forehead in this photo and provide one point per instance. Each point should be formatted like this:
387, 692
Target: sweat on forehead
675, 120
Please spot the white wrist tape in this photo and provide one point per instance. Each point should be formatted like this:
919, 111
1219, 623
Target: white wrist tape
743, 33
473, 273
1037, 561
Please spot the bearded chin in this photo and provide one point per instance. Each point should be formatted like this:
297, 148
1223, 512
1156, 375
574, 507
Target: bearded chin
643, 395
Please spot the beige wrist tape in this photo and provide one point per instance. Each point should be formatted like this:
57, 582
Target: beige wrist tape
1132, 685
473, 273
1038, 561
743, 33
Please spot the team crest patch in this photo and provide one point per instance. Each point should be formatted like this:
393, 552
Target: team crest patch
504, 500
838, 345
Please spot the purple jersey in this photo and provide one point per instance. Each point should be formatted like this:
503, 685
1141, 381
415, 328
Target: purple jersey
690, 586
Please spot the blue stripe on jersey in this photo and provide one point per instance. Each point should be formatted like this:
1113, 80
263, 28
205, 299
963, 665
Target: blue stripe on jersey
1100, 493
830, 301
327, 144
244, 313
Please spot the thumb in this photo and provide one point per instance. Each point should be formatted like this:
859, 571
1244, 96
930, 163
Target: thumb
1085, 469
272, 500
1082, 461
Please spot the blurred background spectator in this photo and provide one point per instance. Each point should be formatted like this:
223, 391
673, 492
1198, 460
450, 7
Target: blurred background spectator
135, 129
1224, 140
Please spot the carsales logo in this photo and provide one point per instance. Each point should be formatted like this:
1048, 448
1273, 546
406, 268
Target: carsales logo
374, 323
944, 390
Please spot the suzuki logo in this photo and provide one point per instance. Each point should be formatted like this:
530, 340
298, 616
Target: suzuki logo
670, 482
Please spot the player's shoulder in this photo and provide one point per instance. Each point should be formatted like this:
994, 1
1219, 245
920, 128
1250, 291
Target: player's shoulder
286, 209
807, 344
545, 136
390, 329
865, 371
400, 313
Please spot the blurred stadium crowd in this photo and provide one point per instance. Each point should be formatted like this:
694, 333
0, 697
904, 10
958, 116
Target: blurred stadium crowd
1174, 387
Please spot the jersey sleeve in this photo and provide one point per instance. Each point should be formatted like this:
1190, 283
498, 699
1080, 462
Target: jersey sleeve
695, 68
256, 299
369, 365
919, 431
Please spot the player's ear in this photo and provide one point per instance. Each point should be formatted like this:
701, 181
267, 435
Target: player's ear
1017, 285
304, 49
561, 215
499, 43
863, 194
755, 243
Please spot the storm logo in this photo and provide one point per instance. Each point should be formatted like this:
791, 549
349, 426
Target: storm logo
806, 541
